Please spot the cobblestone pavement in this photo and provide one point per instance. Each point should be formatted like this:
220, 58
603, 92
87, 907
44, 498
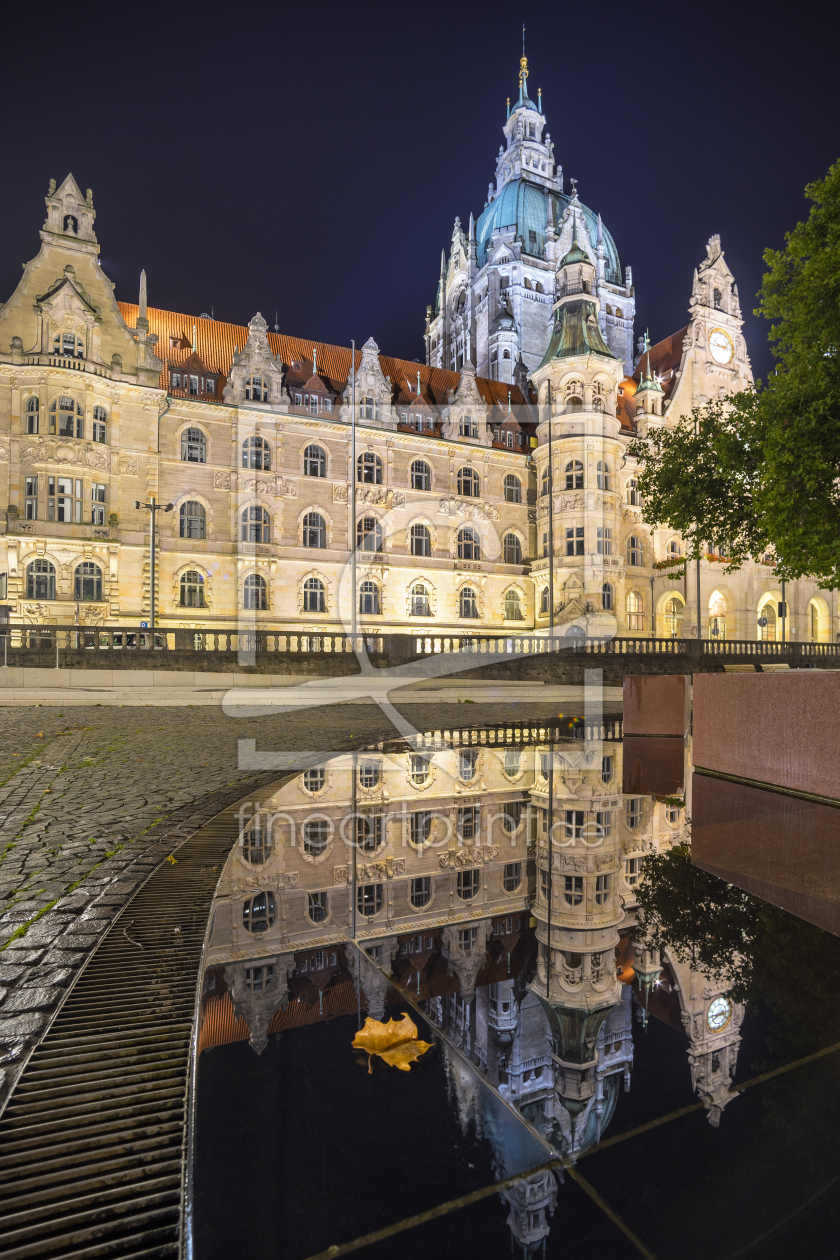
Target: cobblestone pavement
92, 802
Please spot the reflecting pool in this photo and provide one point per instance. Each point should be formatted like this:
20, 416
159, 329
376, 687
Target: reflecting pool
624, 1054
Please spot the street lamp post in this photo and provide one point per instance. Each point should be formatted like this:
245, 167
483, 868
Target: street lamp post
152, 508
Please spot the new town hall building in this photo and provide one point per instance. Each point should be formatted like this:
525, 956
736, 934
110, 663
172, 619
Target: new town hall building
247, 433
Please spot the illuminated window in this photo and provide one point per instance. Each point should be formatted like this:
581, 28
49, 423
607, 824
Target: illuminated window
635, 611
369, 899
468, 427
256, 390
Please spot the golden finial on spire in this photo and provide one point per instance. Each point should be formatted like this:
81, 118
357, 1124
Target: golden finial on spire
523, 73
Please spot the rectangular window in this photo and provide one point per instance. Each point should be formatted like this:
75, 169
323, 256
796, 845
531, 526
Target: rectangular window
175, 380
468, 822
631, 870
31, 507
607, 769
421, 826
544, 882
467, 939
298, 400
210, 384
604, 541
633, 812
603, 823
194, 385
512, 877
326, 404
65, 499
574, 824
573, 892
602, 890
574, 541
544, 546
97, 495
98, 431
313, 404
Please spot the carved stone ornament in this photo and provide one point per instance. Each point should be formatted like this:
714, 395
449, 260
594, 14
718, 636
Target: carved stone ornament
532, 516
287, 487
221, 480
341, 874
34, 450
95, 457
290, 880
339, 493
398, 498
258, 485
65, 455
372, 494
443, 507
128, 465
372, 870
4, 450
398, 866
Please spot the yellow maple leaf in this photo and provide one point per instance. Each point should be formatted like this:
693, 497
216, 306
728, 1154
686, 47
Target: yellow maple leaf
396, 1042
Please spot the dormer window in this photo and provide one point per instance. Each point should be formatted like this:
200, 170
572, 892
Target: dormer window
367, 408
67, 418
68, 345
469, 427
257, 389
175, 380
193, 385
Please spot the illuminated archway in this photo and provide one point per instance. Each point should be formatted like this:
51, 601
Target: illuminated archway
817, 628
717, 615
768, 608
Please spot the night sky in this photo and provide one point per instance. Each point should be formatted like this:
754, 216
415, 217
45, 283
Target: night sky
311, 159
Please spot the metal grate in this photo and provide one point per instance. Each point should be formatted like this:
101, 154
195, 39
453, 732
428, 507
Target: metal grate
91, 1141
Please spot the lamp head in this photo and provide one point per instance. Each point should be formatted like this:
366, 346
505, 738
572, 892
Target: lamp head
169, 507
137, 503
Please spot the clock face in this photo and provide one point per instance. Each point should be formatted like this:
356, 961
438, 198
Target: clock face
719, 1014
720, 345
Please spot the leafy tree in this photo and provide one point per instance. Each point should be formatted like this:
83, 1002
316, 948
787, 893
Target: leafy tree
763, 468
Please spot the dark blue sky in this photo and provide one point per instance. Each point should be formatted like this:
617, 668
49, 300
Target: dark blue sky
311, 160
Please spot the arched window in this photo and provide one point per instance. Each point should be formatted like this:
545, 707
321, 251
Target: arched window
255, 592
467, 884
100, 422
717, 616
469, 543
544, 608
603, 471
421, 540
193, 446
635, 611
632, 492
467, 603
546, 473
67, 418
192, 589
607, 597
420, 604
314, 530
367, 408
314, 779
314, 462
619, 314
574, 475
259, 912
87, 581
314, 600
539, 288
513, 608
527, 283
193, 520
468, 483
421, 475
40, 580
717, 299
674, 611
256, 525
32, 406
673, 549
767, 613
256, 842
506, 354
513, 489
256, 389
512, 549
256, 453
369, 468
369, 598
368, 534
634, 551
316, 835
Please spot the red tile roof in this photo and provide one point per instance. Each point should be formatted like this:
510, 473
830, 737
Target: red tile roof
665, 357
215, 342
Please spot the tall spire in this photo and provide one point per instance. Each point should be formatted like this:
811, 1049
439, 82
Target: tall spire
523, 73
143, 295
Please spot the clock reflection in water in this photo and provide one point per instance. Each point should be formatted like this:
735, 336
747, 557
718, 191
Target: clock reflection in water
719, 1014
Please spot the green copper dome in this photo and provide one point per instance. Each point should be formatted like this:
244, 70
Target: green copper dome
524, 206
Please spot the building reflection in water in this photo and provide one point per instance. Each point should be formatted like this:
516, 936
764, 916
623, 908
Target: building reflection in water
490, 876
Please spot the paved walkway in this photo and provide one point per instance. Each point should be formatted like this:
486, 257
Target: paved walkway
92, 800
